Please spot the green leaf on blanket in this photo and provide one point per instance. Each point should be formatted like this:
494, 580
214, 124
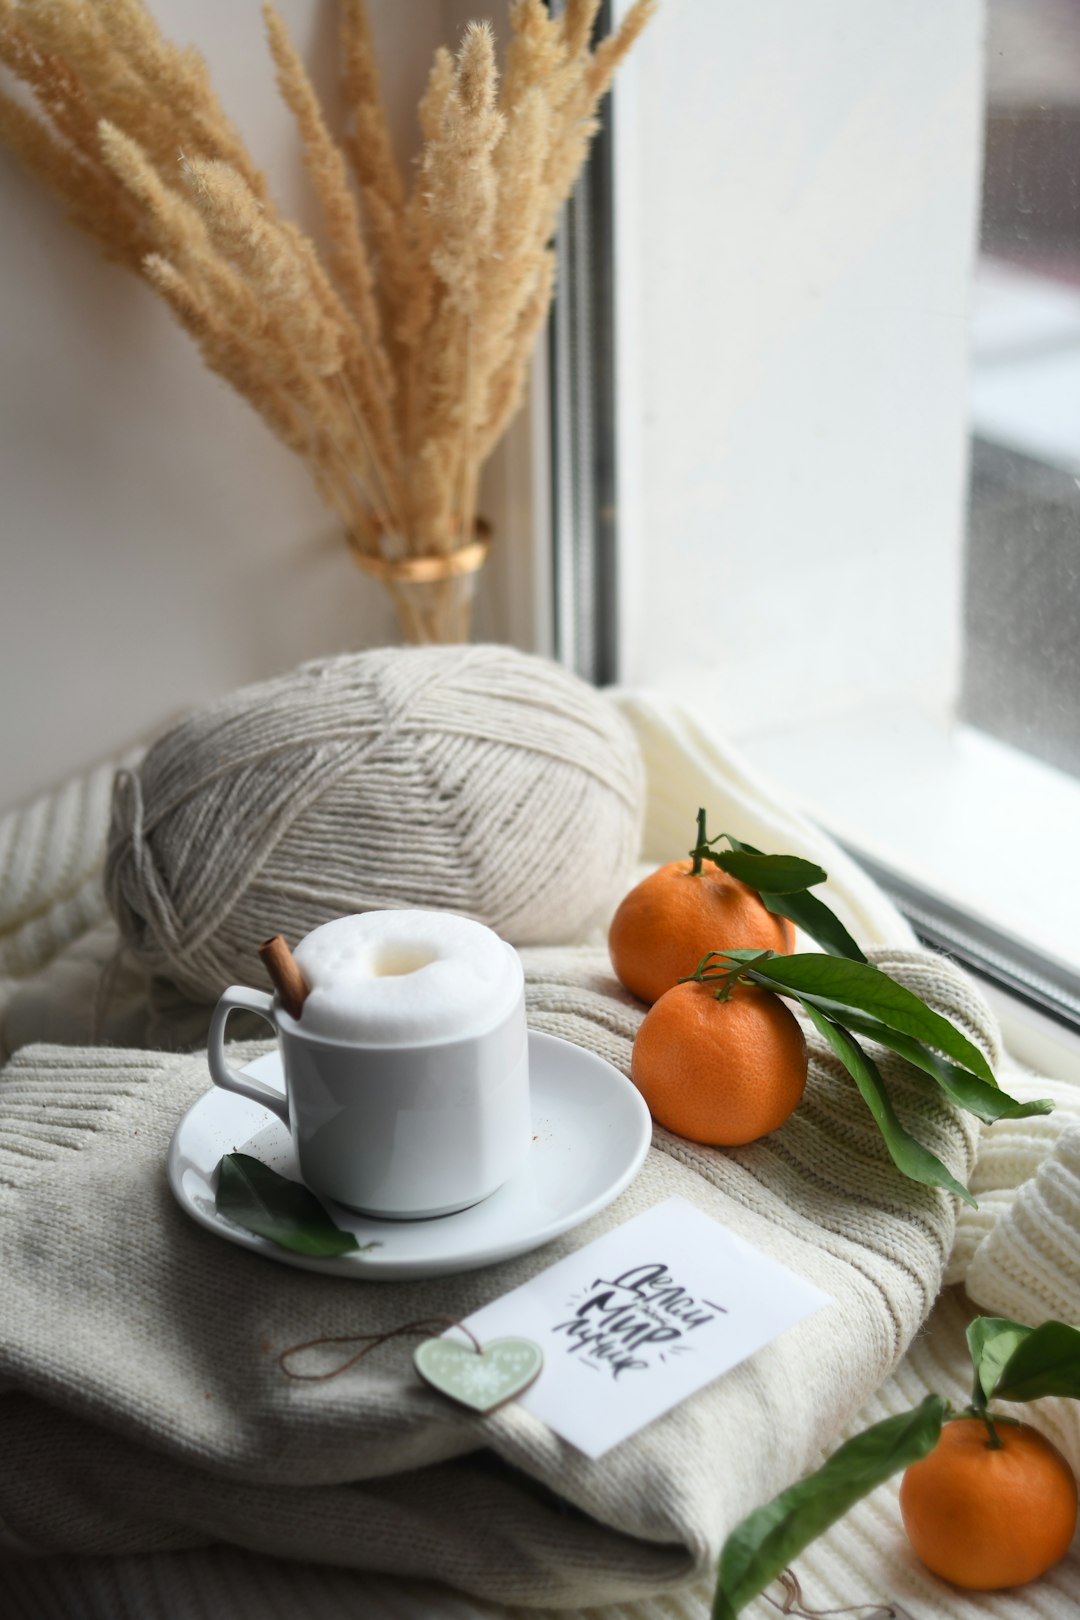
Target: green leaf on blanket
991, 1341
1045, 1361
767, 1540
909, 1156
987, 1102
858, 985
255, 1197
813, 916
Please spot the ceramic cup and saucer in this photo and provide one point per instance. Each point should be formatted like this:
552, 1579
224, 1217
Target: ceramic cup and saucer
440, 1153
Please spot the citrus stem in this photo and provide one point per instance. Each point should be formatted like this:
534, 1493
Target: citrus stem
716, 967
701, 847
995, 1441
710, 971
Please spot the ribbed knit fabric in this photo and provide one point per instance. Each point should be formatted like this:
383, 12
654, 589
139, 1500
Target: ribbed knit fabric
864, 1557
1030, 1261
145, 1411
1009, 1155
51, 857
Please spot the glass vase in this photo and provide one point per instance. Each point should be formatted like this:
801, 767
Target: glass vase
433, 594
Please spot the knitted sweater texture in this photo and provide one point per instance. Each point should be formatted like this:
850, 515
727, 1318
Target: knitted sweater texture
143, 1409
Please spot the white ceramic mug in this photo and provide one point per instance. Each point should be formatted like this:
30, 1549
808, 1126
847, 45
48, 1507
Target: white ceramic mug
398, 1130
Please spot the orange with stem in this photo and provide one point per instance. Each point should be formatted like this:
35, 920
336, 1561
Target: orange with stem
669, 921
720, 1068
992, 1506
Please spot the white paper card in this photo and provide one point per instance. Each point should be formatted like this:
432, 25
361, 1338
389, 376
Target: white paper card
634, 1323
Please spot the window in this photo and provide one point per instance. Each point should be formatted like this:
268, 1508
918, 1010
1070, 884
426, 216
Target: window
847, 423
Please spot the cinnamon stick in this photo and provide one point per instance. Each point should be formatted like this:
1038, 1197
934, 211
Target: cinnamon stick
283, 969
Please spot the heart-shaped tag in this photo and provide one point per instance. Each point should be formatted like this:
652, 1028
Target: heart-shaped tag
480, 1379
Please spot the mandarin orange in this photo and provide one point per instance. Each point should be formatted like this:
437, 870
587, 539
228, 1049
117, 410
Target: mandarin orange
720, 1072
986, 1518
668, 922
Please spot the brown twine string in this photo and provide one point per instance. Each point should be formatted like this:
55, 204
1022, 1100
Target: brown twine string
794, 1603
370, 1341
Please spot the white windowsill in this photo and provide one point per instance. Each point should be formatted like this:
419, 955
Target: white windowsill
948, 806
1041, 1043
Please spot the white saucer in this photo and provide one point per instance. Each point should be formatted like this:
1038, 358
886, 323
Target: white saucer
591, 1132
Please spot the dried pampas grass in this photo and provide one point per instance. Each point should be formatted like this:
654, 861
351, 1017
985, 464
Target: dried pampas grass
395, 368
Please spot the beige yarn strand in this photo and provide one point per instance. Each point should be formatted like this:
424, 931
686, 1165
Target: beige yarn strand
384, 779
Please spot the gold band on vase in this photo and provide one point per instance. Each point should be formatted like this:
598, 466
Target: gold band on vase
433, 567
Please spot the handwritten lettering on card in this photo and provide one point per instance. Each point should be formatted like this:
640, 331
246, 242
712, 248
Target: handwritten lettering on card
640, 1317
644, 1317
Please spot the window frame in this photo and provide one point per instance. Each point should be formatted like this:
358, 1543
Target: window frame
583, 427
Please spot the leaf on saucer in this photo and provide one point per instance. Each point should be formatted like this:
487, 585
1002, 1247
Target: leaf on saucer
255, 1197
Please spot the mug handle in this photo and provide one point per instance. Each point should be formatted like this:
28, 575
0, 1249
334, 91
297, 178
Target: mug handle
239, 998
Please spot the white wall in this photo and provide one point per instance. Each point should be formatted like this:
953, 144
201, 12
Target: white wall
158, 546
798, 194
798, 187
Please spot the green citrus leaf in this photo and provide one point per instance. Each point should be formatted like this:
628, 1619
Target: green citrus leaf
1045, 1362
807, 912
255, 1197
766, 1541
779, 874
866, 989
991, 1341
813, 916
909, 1156
987, 1102
742, 953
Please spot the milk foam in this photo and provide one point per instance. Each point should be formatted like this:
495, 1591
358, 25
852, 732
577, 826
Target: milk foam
391, 977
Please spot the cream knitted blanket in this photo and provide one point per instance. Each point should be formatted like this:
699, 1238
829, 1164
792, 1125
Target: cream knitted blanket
90, 1397
144, 1407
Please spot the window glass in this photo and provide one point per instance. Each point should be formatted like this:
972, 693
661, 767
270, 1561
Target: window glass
1021, 678
980, 798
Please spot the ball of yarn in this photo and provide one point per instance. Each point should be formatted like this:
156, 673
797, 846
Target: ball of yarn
474, 779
